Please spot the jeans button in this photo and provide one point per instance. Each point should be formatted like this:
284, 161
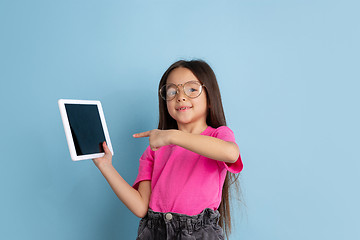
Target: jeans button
168, 216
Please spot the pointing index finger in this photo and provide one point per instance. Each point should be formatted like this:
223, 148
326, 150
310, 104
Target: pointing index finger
142, 134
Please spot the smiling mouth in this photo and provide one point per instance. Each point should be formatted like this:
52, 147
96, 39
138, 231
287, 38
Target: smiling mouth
183, 108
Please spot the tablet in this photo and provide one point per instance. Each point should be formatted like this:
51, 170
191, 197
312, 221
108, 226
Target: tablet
85, 128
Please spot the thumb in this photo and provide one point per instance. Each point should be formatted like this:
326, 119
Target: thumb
106, 149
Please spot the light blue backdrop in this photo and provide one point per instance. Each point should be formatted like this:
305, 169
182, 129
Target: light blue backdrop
289, 77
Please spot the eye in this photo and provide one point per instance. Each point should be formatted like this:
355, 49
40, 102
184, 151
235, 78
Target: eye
171, 92
192, 90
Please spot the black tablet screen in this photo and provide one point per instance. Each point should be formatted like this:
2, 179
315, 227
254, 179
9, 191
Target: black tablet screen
86, 128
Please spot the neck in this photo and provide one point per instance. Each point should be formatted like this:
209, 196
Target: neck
195, 128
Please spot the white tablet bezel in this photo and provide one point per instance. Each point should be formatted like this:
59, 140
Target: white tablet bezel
68, 133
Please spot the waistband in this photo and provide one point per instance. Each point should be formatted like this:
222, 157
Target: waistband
181, 221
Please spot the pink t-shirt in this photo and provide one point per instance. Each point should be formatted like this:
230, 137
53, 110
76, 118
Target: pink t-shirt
183, 181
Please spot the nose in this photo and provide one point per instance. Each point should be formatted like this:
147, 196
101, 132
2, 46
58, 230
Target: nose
180, 99
180, 96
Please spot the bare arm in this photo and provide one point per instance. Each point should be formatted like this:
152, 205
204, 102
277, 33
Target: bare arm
137, 201
207, 146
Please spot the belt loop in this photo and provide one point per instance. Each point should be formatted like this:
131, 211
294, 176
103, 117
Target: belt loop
189, 226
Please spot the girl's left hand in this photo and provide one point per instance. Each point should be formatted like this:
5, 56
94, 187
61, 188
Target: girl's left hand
157, 138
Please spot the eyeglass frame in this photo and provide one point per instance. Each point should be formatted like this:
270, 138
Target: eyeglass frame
183, 86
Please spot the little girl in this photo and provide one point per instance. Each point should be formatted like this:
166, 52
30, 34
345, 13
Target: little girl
182, 188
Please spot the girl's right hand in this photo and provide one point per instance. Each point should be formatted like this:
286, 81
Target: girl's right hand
106, 160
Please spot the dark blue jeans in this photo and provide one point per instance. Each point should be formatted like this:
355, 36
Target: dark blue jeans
175, 226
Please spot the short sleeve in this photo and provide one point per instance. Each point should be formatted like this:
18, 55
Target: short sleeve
146, 164
226, 134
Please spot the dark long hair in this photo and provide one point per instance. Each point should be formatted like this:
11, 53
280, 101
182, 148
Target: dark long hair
215, 119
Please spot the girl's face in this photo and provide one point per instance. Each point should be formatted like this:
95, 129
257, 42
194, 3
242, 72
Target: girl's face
183, 109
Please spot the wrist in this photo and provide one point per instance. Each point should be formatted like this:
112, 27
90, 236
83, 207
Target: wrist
174, 136
104, 166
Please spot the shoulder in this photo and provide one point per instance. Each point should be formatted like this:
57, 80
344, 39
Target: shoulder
219, 130
148, 153
222, 132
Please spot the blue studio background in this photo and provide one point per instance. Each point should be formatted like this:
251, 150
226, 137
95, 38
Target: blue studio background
289, 76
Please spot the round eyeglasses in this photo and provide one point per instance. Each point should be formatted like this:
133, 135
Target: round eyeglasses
191, 89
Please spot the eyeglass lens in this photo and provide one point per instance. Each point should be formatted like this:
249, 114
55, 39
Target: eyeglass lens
191, 89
